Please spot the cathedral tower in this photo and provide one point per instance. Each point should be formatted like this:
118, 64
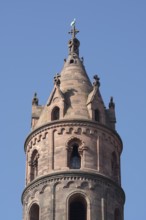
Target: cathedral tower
73, 151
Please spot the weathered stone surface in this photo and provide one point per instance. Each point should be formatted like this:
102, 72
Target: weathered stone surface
73, 152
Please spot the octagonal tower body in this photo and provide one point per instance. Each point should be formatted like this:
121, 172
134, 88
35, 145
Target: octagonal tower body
73, 151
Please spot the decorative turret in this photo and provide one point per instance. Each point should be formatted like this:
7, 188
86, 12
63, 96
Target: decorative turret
36, 110
35, 100
111, 113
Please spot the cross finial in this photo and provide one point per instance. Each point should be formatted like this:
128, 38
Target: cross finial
57, 79
96, 81
73, 31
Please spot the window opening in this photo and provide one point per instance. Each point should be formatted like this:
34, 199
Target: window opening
78, 209
114, 164
117, 215
96, 115
34, 165
71, 61
75, 160
55, 114
34, 212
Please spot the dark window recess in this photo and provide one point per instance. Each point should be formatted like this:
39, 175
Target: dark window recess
114, 165
55, 113
117, 215
34, 212
71, 61
97, 115
75, 160
34, 165
78, 210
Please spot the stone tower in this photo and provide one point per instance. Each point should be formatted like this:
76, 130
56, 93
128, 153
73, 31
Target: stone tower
73, 151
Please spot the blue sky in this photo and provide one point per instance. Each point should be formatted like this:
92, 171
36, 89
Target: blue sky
33, 44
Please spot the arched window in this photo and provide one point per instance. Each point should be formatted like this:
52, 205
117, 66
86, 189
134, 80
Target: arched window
114, 165
117, 215
77, 208
97, 115
55, 113
34, 212
34, 165
75, 159
71, 61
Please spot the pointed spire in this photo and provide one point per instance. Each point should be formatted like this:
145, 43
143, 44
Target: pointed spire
111, 113
74, 43
111, 103
35, 100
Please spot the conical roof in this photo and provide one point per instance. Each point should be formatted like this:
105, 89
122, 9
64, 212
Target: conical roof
76, 87
73, 94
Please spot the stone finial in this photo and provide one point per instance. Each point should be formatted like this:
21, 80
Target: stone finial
82, 59
73, 46
74, 43
111, 103
35, 100
57, 79
96, 81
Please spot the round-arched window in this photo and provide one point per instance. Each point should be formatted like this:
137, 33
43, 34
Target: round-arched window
34, 212
117, 214
55, 113
75, 159
34, 165
77, 208
97, 115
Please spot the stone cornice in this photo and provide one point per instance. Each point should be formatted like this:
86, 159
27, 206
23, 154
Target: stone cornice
57, 177
73, 122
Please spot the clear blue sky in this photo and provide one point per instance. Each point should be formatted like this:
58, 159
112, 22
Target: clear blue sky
33, 44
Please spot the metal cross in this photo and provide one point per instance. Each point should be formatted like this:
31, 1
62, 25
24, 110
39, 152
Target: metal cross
73, 32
